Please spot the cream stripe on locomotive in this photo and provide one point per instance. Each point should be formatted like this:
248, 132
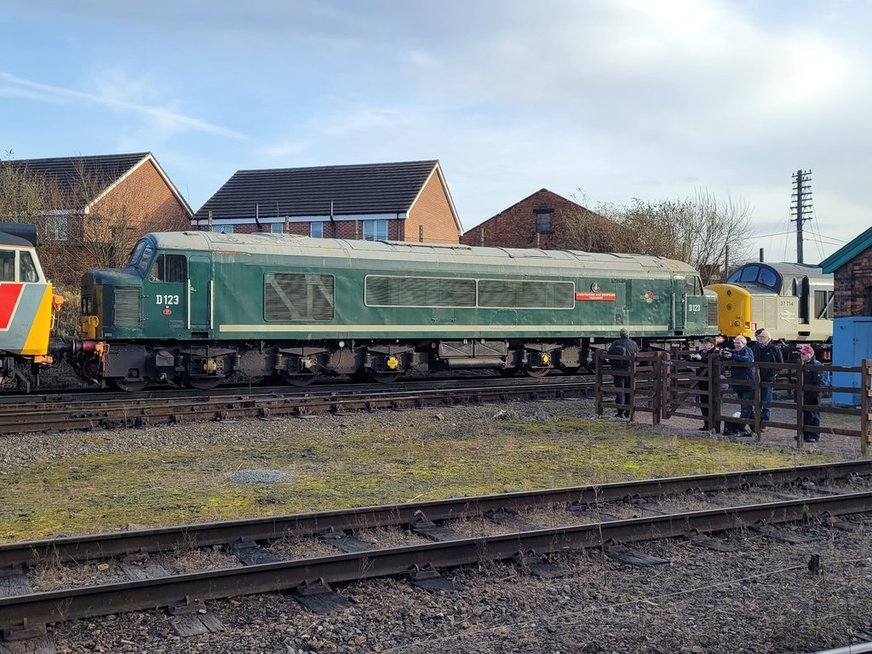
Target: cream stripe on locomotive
500, 329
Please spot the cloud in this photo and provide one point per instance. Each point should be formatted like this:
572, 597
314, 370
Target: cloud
113, 93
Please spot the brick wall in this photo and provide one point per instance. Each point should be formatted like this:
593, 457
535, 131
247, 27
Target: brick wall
853, 287
516, 226
431, 215
143, 201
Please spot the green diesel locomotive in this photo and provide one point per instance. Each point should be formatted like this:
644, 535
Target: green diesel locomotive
195, 308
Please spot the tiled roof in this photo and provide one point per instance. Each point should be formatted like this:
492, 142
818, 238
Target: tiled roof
68, 173
353, 190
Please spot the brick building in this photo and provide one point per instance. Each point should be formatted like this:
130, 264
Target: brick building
548, 221
406, 201
852, 277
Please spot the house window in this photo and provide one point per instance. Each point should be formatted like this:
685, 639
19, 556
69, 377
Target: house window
223, 229
56, 228
316, 230
543, 218
375, 230
277, 228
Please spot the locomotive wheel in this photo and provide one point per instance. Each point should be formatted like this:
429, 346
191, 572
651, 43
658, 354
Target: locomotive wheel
536, 373
203, 383
127, 385
292, 379
383, 377
507, 372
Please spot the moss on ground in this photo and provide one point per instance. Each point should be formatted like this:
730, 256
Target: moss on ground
102, 492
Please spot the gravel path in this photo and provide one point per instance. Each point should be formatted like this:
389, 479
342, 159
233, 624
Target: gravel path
762, 598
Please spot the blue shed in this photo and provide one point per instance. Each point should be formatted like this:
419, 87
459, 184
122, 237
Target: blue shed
852, 342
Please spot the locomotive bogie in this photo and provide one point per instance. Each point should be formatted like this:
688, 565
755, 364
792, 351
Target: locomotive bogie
303, 308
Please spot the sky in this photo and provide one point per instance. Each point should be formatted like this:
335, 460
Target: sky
600, 101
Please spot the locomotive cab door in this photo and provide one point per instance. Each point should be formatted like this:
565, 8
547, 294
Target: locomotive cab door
199, 294
679, 299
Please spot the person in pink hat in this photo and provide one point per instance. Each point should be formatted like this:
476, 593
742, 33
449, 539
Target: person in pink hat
811, 397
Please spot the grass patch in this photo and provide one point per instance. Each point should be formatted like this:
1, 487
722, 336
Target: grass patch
360, 466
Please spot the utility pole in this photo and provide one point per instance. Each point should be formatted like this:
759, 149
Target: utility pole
800, 206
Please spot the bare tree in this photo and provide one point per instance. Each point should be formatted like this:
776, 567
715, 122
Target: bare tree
697, 230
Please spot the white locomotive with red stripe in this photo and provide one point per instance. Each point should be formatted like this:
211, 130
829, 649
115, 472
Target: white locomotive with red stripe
28, 307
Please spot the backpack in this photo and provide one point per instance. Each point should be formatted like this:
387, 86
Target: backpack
618, 349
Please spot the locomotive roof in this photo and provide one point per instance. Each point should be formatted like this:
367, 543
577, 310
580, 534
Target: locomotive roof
18, 234
284, 244
787, 269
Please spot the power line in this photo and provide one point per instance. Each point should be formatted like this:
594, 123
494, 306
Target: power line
791, 232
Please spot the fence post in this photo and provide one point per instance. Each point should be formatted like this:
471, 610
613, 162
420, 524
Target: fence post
714, 395
598, 381
800, 405
630, 399
758, 404
660, 380
865, 404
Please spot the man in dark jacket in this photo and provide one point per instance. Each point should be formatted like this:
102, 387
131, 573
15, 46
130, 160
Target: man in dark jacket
624, 346
741, 353
766, 351
811, 398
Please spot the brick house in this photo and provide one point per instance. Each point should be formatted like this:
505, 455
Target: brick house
79, 191
548, 221
90, 210
406, 201
851, 267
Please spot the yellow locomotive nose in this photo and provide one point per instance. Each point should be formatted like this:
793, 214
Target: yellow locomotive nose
734, 310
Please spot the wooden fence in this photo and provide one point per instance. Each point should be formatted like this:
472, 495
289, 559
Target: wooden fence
667, 384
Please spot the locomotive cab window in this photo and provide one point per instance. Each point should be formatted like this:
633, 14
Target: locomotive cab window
169, 268
692, 286
769, 278
7, 266
141, 256
26, 268
749, 274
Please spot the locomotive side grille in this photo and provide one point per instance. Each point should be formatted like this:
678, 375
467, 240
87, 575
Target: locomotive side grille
298, 296
712, 311
498, 293
419, 292
127, 306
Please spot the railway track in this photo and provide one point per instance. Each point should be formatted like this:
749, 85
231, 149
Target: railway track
98, 410
766, 498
